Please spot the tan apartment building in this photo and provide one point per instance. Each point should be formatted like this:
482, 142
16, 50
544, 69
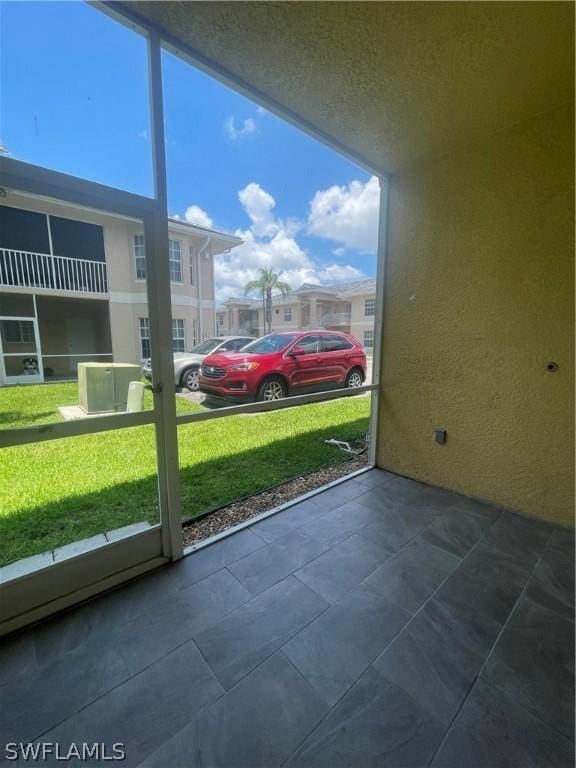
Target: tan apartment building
348, 307
73, 287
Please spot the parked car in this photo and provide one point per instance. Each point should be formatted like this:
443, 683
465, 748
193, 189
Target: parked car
283, 364
187, 364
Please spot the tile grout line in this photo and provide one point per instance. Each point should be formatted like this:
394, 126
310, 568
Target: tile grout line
192, 639
441, 584
130, 676
263, 516
116, 645
345, 538
127, 680
322, 719
518, 704
513, 610
365, 670
488, 656
390, 557
252, 597
269, 655
324, 513
402, 629
280, 649
345, 594
308, 562
293, 574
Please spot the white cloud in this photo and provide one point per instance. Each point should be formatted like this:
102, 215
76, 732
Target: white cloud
143, 134
258, 204
235, 132
347, 215
268, 242
338, 273
195, 215
271, 242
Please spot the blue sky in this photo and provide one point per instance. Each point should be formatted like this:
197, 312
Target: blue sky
74, 97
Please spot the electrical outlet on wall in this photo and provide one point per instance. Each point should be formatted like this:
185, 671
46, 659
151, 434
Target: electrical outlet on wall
440, 436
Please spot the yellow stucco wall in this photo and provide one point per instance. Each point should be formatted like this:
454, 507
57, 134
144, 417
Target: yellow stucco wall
479, 298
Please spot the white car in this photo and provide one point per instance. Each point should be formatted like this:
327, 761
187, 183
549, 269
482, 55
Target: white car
187, 364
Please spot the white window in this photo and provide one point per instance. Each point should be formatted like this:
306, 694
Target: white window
140, 257
178, 339
369, 307
145, 336
192, 266
175, 260
221, 318
287, 314
369, 339
18, 331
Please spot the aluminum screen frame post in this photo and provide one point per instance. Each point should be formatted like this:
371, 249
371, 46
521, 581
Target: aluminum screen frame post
158, 36
33, 595
378, 318
160, 317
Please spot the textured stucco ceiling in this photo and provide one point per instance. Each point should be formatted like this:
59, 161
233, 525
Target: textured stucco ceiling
392, 81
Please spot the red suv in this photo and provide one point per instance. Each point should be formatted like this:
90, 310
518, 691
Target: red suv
282, 364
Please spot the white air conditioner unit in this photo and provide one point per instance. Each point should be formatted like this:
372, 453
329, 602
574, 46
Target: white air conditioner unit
103, 387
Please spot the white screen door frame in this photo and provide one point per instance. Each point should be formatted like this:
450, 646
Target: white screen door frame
6, 374
35, 595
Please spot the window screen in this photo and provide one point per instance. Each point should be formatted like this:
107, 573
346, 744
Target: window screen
140, 257
178, 338
18, 331
23, 230
145, 336
192, 254
175, 260
77, 239
369, 307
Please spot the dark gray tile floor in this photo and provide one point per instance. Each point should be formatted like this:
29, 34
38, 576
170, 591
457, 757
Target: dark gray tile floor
382, 623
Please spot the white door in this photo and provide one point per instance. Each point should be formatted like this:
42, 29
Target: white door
81, 341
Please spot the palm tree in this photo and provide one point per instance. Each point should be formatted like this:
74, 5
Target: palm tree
265, 284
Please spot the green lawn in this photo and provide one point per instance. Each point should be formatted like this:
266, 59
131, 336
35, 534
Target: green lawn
59, 491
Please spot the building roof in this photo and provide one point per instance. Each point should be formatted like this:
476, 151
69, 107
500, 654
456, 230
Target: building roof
231, 240
337, 291
357, 288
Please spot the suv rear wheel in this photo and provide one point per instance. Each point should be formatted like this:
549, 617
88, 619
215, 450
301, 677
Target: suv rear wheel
354, 378
272, 388
191, 379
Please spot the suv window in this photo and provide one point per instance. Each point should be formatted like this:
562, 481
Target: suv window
233, 345
335, 343
310, 345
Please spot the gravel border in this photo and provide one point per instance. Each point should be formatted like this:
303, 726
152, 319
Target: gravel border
220, 520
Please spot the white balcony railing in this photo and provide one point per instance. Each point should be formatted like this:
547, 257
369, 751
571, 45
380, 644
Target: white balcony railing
336, 318
55, 273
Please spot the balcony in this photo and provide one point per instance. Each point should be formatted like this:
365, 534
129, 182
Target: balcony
52, 273
335, 318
